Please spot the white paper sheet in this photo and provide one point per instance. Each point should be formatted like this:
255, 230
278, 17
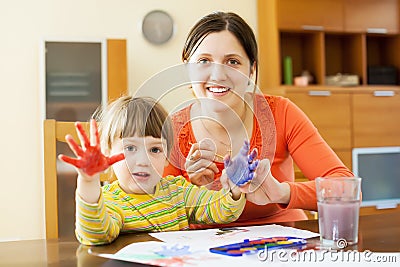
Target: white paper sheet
177, 255
218, 237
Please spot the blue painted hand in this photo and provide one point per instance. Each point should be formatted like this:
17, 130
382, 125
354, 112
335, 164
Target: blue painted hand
240, 169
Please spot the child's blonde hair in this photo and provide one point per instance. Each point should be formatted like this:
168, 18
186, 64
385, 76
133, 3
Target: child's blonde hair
129, 116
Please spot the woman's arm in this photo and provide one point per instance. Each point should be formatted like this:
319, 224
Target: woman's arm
297, 136
311, 153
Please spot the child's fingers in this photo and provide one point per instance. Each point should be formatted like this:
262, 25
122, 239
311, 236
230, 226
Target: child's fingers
69, 160
94, 133
245, 148
227, 161
246, 180
253, 165
74, 146
82, 135
116, 158
253, 154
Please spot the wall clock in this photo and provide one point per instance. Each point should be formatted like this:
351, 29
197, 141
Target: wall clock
157, 27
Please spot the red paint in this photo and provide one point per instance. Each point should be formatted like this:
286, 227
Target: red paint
89, 159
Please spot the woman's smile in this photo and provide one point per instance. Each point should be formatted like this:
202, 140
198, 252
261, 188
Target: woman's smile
218, 90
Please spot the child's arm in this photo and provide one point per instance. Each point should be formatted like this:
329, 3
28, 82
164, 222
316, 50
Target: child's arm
89, 163
98, 223
206, 206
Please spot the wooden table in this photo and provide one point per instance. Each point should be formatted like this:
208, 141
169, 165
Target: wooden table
377, 233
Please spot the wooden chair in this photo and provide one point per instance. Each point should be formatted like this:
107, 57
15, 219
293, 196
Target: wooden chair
55, 131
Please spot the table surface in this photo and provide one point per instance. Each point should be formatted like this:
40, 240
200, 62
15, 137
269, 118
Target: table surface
377, 233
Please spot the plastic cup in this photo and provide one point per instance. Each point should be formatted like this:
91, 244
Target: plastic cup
338, 210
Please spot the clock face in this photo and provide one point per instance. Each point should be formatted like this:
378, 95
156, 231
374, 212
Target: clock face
158, 27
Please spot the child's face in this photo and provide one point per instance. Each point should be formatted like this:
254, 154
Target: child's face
143, 165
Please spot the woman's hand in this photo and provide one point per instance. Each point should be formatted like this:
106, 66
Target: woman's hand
264, 188
200, 164
90, 160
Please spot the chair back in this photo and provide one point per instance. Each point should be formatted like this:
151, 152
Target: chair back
55, 131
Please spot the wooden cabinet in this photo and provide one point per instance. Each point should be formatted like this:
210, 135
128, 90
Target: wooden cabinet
334, 42
327, 37
310, 15
350, 118
376, 119
331, 113
373, 16
117, 68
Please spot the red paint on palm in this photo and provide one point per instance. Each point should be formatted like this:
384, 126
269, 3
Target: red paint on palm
89, 159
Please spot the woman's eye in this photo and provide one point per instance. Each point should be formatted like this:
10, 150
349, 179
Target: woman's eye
130, 148
155, 150
233, 62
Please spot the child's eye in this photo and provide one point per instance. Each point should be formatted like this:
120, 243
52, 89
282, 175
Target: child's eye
203, 61
130, 148
156, 150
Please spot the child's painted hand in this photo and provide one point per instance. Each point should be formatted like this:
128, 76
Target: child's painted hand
241, 168
90, 160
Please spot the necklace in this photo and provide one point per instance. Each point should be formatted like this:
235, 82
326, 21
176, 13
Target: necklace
227, 146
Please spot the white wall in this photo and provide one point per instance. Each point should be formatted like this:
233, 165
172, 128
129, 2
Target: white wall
24, 24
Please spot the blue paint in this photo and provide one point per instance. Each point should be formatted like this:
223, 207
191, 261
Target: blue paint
173, 251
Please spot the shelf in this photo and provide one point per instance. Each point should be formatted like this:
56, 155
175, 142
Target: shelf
351, 46
305, 50
344, 54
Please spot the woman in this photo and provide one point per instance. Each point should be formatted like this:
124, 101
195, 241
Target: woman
224, 45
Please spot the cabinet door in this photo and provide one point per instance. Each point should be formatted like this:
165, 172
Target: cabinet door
330, 113
376, 119
375, 16
117, 68
310, 15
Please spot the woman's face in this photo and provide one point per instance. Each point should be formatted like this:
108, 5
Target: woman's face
222, 70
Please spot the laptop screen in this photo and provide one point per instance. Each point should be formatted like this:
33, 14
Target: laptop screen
379, 168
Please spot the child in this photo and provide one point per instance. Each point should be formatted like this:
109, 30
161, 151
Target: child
138, 133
